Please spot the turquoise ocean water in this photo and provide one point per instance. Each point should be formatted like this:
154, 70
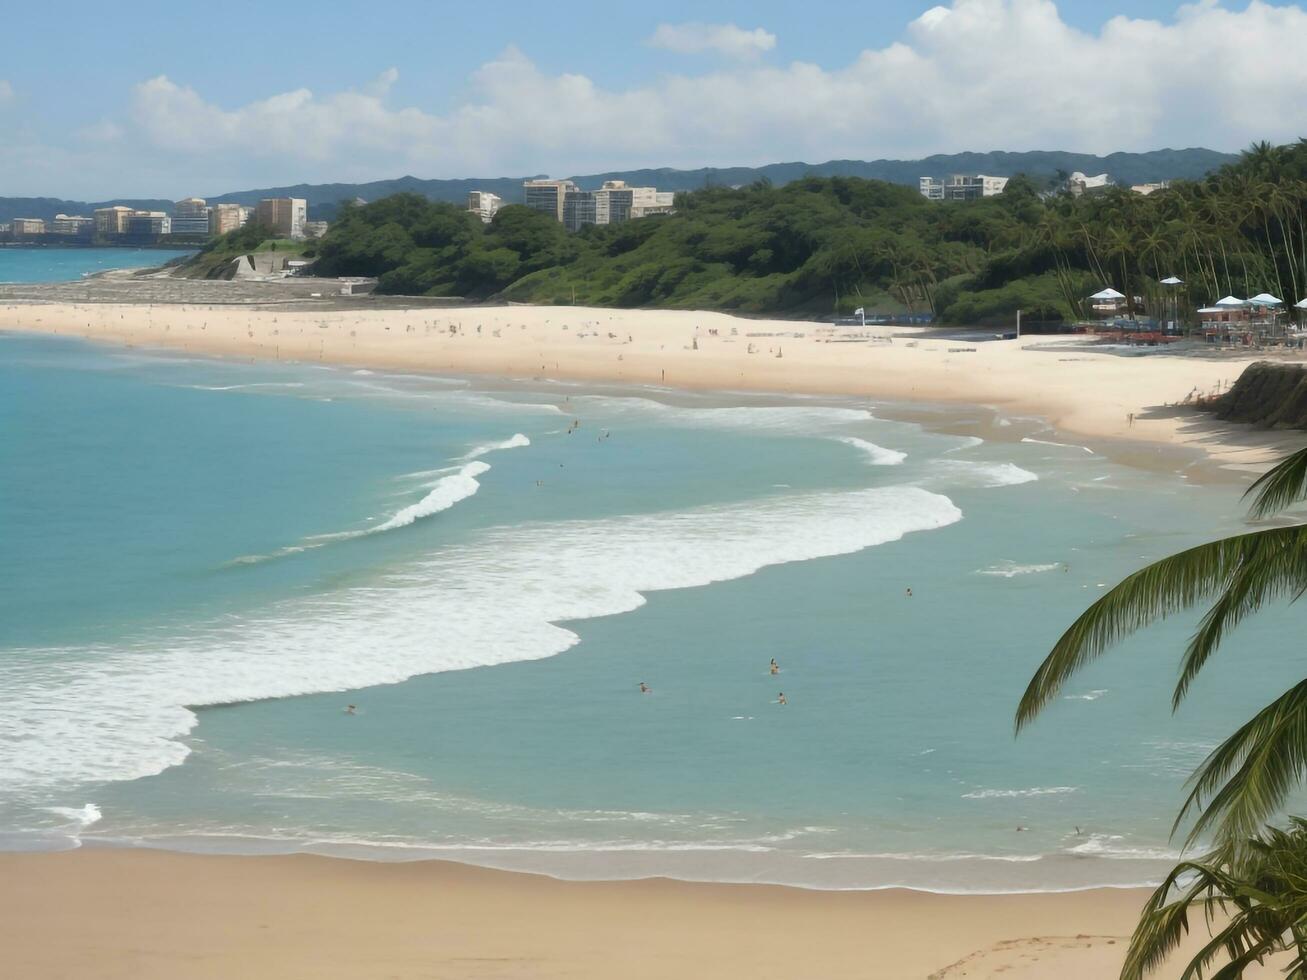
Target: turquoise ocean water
202, 563
68, 264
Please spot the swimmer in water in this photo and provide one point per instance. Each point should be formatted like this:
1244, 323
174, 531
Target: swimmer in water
349, 709
775, 667
645, 688
780, 698
909, 593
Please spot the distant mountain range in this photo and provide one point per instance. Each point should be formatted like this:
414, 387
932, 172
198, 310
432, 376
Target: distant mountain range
1125, 168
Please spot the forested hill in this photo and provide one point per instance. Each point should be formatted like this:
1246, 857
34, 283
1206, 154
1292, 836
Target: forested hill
1125, 168
822, 245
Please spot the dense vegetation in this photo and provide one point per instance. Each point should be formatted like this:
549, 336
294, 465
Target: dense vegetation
821, 245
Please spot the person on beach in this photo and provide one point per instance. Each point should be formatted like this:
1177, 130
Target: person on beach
775, 667
780, 698
645, 688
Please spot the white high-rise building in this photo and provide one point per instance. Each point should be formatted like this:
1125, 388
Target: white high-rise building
484, 204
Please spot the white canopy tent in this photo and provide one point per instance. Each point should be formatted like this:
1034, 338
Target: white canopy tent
1106, 294
1266, 299
1230, 302
1172, 281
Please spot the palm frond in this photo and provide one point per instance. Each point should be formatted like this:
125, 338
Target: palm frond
1249, 775
1281, 486
1253, 900
1273, 567
1152, 593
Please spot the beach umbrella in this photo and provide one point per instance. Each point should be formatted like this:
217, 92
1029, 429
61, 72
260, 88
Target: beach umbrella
1172, 281
1266, 299
1301, 304
1230, 301
1108, 293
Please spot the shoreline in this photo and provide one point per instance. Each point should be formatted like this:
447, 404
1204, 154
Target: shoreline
1133, 402
271, 917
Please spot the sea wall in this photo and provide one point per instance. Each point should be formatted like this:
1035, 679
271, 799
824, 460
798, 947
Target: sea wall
1267, 395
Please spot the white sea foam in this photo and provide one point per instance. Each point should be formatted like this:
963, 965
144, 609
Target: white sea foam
1010, 569
81, 816
876, 455
967, 473
445, 493
1060, 445
968, 442
253, 384
1087, 696
1003, 794
513, 442
459, 484
796, 419
1108, 846
112, 713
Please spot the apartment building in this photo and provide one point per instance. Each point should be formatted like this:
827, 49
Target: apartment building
190, 217
227, 217
547, 195
112, 220
75, 224
27, 226
284, 215
148, 224
484, 204
961, 187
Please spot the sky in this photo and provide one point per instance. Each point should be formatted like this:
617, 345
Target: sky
140, 98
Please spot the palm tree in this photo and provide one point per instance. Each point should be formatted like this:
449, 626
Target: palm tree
1261, 888
1247, 777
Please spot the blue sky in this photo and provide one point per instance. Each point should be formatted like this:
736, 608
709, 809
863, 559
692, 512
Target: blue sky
153, 98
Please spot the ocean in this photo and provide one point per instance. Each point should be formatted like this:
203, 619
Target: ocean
281, 607
70, 264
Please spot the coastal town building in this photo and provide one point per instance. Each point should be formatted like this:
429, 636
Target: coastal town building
547, 195
112, 220
65, 224
27, 226
227, 217
484, 204
1079, 183
1146, 189
612, 203
315, 229
190, 217
579, 209
961, 187
284, 215
148, 224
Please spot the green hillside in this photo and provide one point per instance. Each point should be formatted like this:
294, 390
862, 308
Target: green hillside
822, 245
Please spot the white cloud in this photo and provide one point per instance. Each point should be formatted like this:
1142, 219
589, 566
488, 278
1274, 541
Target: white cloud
972, 75
699, 38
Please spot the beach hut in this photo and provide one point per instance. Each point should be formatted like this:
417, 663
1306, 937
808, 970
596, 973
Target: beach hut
1108, 303
1225, 320
1264, 313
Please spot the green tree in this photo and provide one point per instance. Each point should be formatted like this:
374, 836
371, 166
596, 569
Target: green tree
1258, 890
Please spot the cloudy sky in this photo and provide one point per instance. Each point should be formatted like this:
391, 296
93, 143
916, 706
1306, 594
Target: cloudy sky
147, 98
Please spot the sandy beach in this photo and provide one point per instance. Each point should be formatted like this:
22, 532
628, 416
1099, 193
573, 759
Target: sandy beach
150, 915
1082, 392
